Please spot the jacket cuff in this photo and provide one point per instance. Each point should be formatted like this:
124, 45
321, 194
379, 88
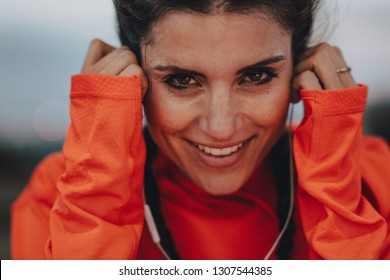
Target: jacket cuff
108, 86
335, 102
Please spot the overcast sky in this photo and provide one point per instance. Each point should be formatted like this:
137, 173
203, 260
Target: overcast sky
43, 42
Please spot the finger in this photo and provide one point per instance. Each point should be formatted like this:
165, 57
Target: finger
306, 80
322, 65
310, 51
97, 50
105, 61
136, 70
118, 63
346, 78
307, 53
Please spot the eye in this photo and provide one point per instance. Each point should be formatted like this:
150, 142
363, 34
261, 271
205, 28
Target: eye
255, 77
258, 77
180, 81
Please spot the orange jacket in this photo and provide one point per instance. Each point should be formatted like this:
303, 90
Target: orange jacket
86, 203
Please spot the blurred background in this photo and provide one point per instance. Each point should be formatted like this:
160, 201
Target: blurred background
43, 42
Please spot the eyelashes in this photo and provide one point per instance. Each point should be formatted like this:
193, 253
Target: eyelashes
181, 81
187, 81
258, 77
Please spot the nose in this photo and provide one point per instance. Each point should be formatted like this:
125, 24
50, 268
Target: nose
220, 118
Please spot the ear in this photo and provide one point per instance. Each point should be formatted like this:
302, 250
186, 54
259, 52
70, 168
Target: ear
295, 97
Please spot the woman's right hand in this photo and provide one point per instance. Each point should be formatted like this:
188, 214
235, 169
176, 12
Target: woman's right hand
103, 58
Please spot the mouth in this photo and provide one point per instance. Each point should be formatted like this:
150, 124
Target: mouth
220, 155
219, 152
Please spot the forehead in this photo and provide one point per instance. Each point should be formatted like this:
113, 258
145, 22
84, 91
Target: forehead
220, 39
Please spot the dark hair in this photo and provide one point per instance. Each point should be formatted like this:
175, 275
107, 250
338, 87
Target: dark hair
136, 18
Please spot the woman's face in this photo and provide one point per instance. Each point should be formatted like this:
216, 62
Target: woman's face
219, 93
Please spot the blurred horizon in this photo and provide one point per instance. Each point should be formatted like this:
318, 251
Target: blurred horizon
43, 44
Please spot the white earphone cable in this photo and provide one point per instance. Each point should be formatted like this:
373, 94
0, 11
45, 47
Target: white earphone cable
291, 207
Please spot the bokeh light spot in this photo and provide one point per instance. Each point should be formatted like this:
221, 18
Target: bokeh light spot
49, 119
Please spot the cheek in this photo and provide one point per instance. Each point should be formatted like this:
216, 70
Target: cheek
269, 110
168, 112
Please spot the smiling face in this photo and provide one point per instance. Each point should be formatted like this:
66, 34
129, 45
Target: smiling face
219, 93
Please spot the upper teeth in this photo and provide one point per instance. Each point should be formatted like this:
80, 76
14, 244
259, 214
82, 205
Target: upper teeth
219, 152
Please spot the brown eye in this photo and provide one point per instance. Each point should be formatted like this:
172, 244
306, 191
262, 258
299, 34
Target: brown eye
181, 81
256, 76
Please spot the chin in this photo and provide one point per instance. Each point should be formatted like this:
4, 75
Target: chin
221, 187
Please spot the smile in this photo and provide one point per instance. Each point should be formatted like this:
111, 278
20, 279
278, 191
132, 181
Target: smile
219, 155
219, 152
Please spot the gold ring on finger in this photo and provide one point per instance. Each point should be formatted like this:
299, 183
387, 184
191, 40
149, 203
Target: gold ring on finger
343, 70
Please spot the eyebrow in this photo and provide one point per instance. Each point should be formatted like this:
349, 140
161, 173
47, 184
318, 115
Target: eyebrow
257, 65
262, 63
171, 68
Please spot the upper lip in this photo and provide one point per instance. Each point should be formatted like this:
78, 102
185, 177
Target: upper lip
220, 145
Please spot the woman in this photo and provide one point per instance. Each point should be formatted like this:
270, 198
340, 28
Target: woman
215, 79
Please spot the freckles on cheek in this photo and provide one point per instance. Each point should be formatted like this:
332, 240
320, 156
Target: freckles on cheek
168, 115
270, 114
277, 108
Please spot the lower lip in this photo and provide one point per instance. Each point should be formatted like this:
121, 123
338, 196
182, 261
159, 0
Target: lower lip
219, 161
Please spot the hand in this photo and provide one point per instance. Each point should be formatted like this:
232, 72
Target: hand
106, 59
318, 71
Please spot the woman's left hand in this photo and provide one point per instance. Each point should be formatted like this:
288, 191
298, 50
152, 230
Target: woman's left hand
322, 67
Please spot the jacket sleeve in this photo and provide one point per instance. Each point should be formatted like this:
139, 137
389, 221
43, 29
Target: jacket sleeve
99, 211
338, 221
31, 210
